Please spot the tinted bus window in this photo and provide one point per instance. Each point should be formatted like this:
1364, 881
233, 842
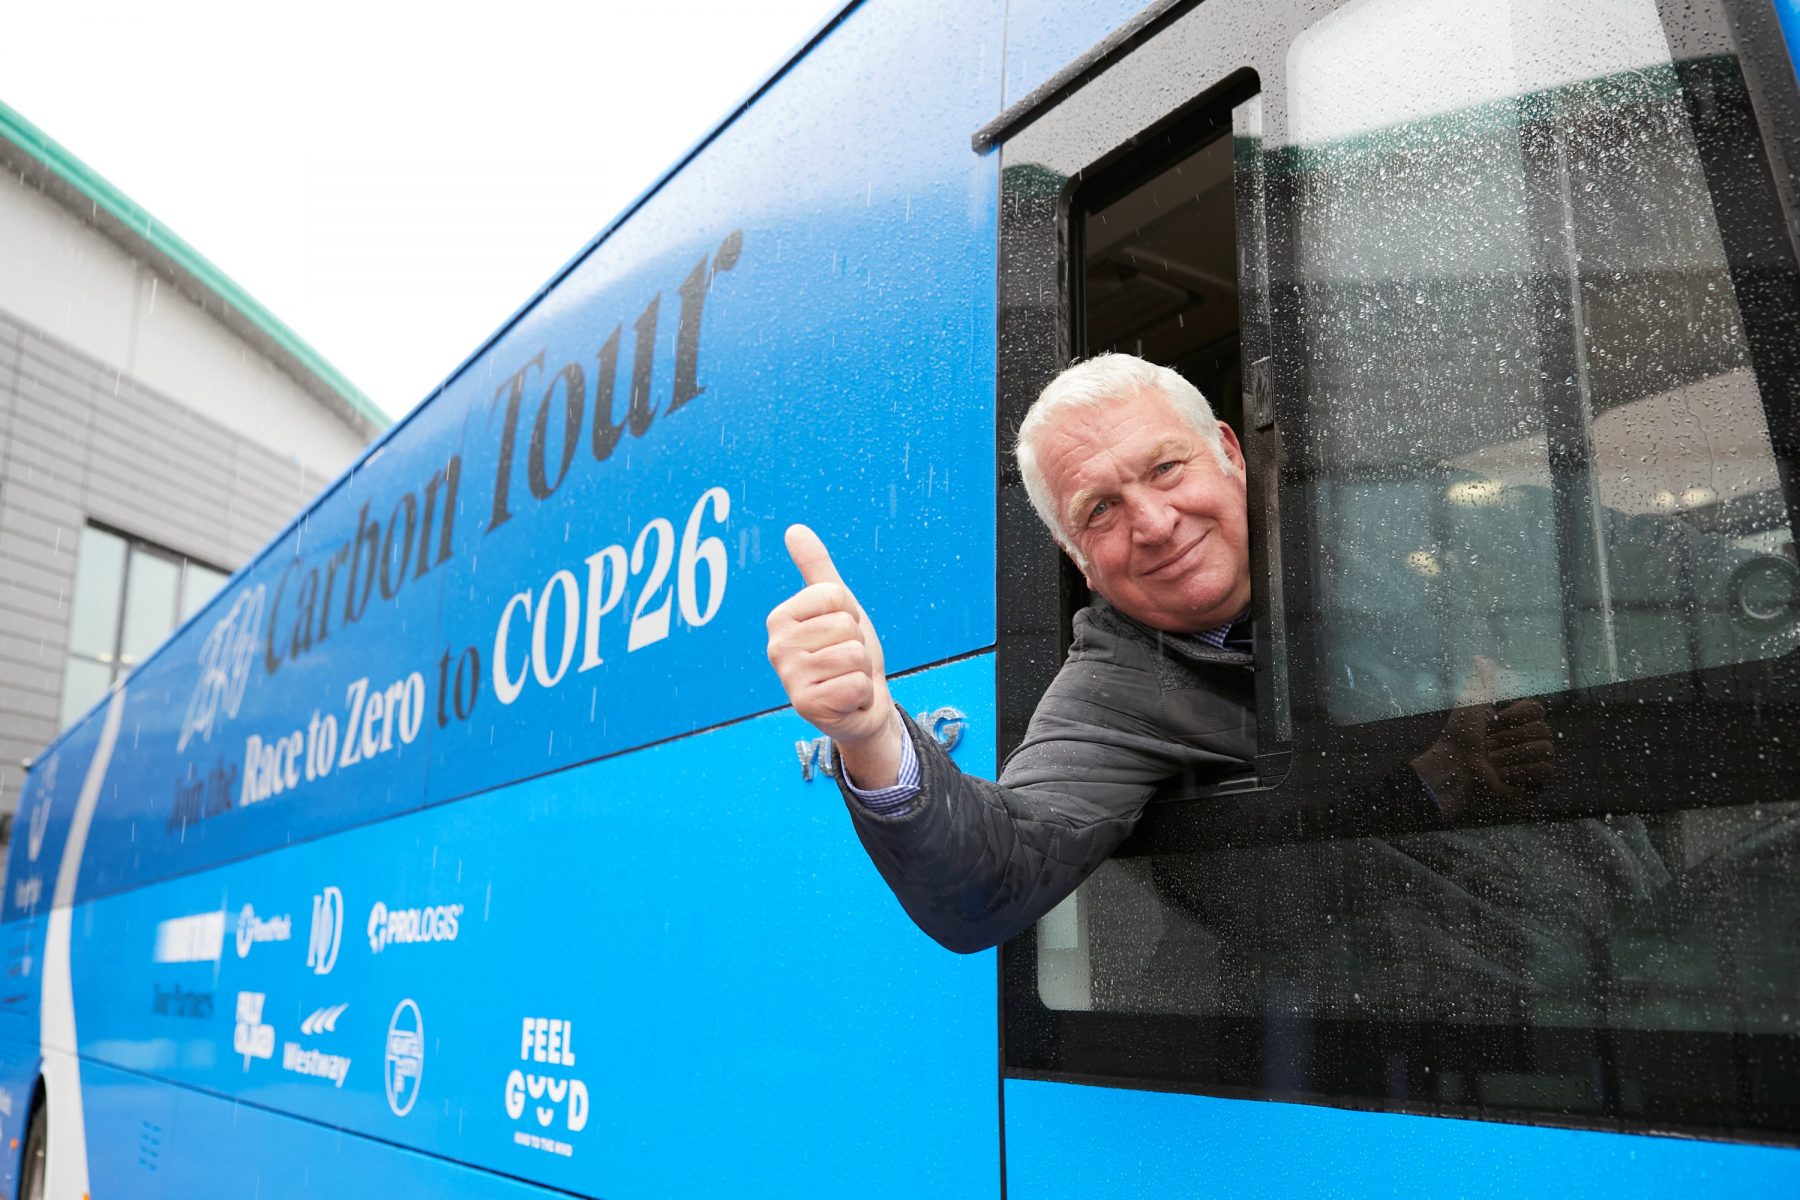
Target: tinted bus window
1539, 438
1527, 281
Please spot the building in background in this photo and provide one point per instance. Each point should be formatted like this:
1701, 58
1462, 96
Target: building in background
157, 426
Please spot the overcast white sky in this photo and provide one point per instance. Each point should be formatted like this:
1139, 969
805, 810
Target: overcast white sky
391, 179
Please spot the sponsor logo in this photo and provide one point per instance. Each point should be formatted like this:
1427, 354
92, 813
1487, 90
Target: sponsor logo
404, 1065
27, 892
557, 1101
179, 1002
252, 1038
945, 724
327, 931
322, 1020
304, 1060
198, 937
406, 926
226, 657
252, 929
40, 809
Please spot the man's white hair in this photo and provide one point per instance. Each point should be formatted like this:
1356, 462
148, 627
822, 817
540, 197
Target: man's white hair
1099, 381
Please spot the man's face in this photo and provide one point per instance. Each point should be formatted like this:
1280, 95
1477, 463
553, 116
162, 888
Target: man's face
1162, 526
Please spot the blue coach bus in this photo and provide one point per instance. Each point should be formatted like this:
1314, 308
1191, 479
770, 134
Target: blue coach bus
464, 844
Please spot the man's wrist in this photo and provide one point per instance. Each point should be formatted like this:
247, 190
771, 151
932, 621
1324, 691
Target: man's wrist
874, 763
889, 801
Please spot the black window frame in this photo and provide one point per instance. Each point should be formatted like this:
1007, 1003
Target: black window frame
1111, 113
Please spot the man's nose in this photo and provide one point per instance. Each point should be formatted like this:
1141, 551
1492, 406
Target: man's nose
1152, 520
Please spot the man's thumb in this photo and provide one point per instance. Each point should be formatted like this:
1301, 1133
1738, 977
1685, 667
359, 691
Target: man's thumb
810, 556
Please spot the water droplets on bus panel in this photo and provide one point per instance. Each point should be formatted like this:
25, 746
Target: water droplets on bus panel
1537, 304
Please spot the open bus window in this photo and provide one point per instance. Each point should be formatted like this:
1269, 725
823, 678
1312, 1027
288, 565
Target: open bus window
1530, 290
1160, 280
1160, 276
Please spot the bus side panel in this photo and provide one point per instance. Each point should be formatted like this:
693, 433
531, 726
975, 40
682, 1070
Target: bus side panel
669, 973
36, 859
1068, 1141
824, 273
164, 1141
41, 830
18, 1083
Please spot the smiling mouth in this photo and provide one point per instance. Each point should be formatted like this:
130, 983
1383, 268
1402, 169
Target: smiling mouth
1169, 565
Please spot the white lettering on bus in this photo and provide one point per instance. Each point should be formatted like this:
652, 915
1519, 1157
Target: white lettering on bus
375, 721
548, 1040
271, 768
558, 629
373, 718
405, 926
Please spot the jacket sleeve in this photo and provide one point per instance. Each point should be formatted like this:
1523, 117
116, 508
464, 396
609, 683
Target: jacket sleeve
974, 862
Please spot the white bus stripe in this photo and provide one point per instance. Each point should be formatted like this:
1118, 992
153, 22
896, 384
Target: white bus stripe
66, 1165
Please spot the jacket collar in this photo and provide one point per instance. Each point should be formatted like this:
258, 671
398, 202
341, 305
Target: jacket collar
1189, 647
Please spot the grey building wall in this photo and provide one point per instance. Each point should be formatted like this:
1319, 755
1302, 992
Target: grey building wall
80, 442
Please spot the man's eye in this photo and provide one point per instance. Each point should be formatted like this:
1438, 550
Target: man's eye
1165, 468
1099, 510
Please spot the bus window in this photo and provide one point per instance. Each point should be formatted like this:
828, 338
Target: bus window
1544, 444
1160, 276
1160, 280
1529, 291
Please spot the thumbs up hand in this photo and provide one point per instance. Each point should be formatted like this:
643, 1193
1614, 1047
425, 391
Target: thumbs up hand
825, 650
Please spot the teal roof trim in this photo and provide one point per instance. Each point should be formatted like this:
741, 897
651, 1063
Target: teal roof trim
116, 204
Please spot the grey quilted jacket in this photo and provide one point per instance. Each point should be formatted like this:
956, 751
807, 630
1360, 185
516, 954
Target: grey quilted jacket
1133, 713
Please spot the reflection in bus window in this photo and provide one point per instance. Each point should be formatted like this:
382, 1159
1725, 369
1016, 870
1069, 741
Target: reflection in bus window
128, 596
1538, 435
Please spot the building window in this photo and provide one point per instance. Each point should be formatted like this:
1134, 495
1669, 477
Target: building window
129, 596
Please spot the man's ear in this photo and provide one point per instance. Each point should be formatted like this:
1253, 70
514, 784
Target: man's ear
1229, 442
1064, 547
